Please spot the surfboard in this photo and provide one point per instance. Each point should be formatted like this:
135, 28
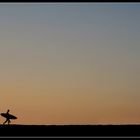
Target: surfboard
10, 116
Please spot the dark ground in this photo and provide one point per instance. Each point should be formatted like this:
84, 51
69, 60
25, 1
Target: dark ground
70, 130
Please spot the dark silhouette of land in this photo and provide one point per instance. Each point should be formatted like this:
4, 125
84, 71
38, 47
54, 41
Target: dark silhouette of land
70, 130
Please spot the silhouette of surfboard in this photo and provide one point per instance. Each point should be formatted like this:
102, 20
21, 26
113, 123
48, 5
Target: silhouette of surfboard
9, 116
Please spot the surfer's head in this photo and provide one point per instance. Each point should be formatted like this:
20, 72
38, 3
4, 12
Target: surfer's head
8, 110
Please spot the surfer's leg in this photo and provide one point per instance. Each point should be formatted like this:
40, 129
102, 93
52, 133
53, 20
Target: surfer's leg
5, 121
9, 121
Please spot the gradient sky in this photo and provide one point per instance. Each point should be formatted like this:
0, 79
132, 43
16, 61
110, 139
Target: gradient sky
70, 63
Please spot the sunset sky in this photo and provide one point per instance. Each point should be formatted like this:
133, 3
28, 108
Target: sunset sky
70, 63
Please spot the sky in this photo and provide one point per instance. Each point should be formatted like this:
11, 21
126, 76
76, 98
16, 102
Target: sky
70, 63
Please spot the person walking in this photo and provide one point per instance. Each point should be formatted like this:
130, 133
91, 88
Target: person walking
7, 118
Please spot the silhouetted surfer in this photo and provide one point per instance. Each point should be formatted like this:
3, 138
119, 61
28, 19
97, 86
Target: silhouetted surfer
7, 118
